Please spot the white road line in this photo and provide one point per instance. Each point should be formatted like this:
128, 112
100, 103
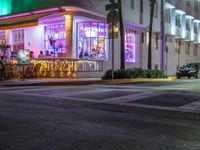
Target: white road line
171, 87
192, 106
132, 97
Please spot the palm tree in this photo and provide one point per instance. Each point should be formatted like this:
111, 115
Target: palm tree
121, 26
152, 5
3, 47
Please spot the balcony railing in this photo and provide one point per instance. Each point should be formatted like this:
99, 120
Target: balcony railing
196, 37
168, 28
188, 35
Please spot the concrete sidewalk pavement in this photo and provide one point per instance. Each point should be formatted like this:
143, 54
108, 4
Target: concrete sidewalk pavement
47, 81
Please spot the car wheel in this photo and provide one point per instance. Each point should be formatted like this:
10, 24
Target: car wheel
189, 77
197, 75
178, 77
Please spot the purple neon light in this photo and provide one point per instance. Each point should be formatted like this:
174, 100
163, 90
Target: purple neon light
135, 25
130, 45
54, 19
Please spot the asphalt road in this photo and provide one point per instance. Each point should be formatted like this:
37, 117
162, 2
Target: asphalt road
147, 116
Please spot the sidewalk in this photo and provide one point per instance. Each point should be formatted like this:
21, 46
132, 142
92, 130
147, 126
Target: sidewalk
79, 81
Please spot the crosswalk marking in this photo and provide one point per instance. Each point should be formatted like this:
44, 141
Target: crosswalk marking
138, 94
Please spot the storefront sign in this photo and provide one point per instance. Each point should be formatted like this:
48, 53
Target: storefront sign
93, 40
23, 57
92, 29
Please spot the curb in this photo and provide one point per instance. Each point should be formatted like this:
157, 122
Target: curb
115, 81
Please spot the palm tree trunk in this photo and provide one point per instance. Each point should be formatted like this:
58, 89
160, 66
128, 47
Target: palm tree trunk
121, 25
152, 4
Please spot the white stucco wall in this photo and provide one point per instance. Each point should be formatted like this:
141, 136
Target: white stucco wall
34, 39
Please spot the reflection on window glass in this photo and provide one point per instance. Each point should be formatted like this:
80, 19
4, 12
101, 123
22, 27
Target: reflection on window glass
130, 46
93, 40
55, 38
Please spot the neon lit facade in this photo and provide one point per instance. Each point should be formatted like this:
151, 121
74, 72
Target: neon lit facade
82, 27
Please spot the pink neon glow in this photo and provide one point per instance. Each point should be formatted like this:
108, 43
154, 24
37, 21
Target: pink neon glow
28, 13
15, 16
46, 10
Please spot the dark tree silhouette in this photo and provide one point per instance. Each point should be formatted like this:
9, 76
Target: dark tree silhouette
121, 26
152, 5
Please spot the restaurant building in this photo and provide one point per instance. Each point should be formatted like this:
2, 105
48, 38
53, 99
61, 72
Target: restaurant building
71, 39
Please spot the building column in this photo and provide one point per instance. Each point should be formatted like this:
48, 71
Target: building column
8, 39
69, 35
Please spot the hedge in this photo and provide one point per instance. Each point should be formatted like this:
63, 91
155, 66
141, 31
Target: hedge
133, 73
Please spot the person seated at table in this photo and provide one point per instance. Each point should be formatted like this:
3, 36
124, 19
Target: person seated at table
13, 55
48, 55
81, 53
3, 61
52, 53
86, 54
41, 55
32, 54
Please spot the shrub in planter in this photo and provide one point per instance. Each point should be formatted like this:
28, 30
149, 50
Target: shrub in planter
133, 73
121, 74
107, 75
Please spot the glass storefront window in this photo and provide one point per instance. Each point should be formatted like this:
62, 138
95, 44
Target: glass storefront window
55, 38
130, 45
2, 35
18, 39
93, 40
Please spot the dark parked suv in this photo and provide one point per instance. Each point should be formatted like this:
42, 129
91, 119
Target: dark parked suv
189, 70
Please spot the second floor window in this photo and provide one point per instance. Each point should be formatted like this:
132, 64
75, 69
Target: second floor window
168, 16
187, 25
141, 6
178, 20
132, 4
156, 10
196, 28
